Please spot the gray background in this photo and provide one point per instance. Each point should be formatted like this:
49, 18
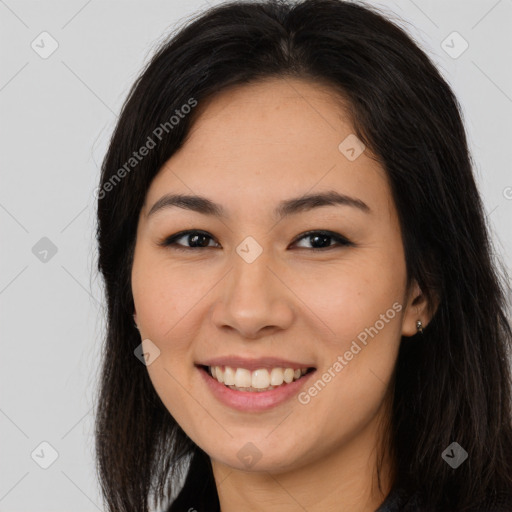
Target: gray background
56, 118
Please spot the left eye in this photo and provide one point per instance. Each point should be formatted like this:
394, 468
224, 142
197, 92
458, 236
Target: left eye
320, 237
201, 239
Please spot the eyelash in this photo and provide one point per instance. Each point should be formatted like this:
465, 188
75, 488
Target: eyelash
170, 242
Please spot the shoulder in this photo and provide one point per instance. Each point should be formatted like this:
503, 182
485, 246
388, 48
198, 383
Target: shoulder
497, 502
400, 501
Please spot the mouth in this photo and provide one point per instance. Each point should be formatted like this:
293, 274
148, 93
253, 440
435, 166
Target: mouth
253, 385
255, 381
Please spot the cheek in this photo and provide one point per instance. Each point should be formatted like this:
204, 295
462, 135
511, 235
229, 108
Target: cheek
163, 297
168, 299
350, 387
361, 303
351, 295
164, 293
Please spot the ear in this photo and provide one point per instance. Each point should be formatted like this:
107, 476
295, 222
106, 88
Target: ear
417, 308
135, 317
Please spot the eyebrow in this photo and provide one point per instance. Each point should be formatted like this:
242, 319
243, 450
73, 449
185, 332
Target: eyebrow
285, 208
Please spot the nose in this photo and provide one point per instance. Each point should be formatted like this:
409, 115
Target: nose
253, 299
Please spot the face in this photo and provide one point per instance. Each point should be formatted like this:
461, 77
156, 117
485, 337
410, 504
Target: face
272, 282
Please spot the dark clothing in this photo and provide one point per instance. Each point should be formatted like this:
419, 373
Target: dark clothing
399, 501
200, 494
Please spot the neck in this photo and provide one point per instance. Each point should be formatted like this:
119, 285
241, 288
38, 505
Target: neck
343, 480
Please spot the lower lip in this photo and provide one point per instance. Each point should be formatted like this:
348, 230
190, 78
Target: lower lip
253, 401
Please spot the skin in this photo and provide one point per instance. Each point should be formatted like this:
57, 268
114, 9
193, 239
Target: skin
251, 147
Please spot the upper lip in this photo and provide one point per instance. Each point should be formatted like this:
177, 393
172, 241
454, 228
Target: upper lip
254, 363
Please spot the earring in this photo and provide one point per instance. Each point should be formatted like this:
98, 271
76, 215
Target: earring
419, 326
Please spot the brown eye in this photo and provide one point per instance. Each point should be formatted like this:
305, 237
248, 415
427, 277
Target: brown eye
321, 240
197, 240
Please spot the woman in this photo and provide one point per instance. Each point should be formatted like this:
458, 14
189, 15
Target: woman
303, 310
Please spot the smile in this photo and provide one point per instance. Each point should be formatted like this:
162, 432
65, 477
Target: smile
262, 386
262, 379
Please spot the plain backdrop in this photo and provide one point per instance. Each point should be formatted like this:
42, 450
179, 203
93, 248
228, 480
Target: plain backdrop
56, 116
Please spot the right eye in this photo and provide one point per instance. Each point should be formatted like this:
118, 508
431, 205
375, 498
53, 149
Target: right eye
198, 239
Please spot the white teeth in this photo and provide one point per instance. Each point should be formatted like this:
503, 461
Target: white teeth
229, 376
243, 378
288, 375
276, 376
258, 380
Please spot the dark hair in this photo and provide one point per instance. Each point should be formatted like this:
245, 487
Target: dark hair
451, 384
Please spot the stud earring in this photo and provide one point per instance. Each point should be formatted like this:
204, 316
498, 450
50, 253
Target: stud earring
419, 326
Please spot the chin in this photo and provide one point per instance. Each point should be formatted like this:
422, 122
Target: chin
260, 455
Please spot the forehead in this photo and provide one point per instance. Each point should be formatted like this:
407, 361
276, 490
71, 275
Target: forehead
276, 110
264, 141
